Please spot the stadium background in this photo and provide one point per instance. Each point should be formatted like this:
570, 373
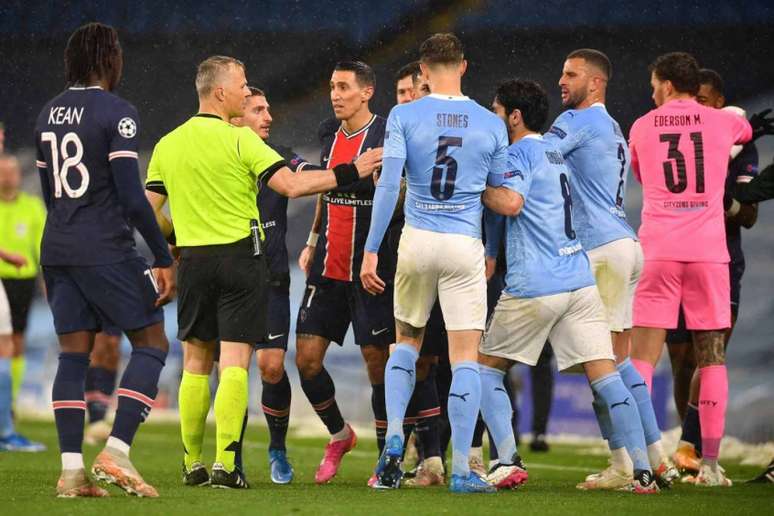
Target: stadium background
289, 48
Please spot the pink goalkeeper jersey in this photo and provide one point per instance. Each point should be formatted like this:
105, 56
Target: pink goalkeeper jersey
680, 154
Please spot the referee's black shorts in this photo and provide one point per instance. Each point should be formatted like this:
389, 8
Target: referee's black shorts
222, 293
20, 293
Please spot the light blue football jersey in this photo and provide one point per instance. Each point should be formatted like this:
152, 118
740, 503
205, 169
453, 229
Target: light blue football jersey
451, 145
542, 251
598, 157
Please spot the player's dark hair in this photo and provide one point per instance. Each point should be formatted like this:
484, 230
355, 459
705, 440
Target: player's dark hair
713, 78
441, 49
364, 74
410, 70
256, 92
93, 51
528, 97
680, 68
595, 58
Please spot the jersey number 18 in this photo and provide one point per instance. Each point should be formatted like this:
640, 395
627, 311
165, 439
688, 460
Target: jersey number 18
61, 181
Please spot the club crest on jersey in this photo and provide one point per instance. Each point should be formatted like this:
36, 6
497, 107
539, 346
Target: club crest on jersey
127, 127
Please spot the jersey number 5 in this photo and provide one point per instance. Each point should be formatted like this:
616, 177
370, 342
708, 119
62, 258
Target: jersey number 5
673, 153
61, 180
443, 188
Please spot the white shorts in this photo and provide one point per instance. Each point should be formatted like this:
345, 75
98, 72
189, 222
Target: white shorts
446, 266
617, 267
574, 323
5, 313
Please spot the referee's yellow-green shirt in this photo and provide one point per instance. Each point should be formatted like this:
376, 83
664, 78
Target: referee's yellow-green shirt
209, 170
21, 230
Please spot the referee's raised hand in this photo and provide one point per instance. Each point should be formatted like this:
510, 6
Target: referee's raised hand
368, 162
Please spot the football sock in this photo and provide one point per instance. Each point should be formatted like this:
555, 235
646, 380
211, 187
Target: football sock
464, 403
646, 371
624, 417
137, 391
713, 398
275, 402
100, 384
321, 393
68, 402
427, 414
638, 388
619, 455
542, 382
6, 398
399, 378
194, 404
478, 433
18, 367
691, 427
379, 408
230, 407
238, 451
496, 409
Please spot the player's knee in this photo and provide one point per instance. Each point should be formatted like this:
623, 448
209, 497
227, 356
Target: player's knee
271, 370
309, 365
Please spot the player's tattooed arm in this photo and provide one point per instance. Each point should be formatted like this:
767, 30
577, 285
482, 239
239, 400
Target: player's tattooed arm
307, 253
709, 347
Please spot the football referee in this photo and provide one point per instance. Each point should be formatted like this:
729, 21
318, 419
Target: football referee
209, 170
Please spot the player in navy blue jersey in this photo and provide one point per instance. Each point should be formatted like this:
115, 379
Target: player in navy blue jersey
270, 354
742, 168
86, 139
334, 296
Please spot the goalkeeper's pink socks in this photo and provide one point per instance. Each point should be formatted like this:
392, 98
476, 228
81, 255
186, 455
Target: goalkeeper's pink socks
713, 399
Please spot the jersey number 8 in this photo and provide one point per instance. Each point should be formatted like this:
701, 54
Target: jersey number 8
61, 180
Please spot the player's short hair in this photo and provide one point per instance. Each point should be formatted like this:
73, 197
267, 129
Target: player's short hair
527, 96
441, 49
595, 58
713, 78
680, 68
92, 50
256, 92
409, 70
209, 70
364, 74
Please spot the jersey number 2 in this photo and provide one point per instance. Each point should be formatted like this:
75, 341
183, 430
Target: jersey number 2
61, 181
673, 153
443, 188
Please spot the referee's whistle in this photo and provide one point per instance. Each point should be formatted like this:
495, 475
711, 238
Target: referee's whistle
255, 234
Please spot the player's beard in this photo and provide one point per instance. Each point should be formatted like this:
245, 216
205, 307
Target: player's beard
574, 99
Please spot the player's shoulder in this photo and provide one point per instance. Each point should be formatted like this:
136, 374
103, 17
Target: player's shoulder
327, 128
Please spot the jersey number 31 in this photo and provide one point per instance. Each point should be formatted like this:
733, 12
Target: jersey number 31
61, 181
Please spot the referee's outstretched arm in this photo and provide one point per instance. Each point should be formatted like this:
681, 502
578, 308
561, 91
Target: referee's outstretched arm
297, 184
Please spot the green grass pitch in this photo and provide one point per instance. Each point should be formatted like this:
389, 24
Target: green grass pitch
27, 485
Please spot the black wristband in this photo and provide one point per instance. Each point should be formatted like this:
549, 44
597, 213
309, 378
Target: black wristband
172, 239
346, 174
